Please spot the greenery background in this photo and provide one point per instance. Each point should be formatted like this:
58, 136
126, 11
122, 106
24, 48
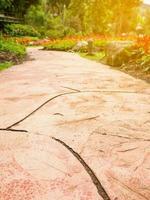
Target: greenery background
62, 24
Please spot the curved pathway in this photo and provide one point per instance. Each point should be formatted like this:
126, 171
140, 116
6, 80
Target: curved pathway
73, 129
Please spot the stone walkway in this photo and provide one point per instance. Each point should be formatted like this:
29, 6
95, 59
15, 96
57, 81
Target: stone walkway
73, 129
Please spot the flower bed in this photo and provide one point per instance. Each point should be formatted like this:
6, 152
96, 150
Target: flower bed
134, 59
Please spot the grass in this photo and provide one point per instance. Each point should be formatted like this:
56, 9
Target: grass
100, 43
5, 65
96, 56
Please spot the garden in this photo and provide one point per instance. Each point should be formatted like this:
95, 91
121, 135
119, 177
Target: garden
115, 34
74, 99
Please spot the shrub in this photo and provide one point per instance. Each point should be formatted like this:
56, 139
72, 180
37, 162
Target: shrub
98, 56
144, 62
36, 16
21, 30
54, 34
60, 45
27, 41
5, 65
100, 44
9, 45
144, 42
11, 51
69, 31
118, 53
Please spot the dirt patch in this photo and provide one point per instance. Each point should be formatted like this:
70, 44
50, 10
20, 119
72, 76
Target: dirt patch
15, 59
7, 57
137, 72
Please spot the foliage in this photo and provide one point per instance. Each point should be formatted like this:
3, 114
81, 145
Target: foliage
145, 63
36, 16
21, 30
134, 59
146, 26
144, 42
100, 44
60, 45
26, 41
57, 18
98, 56
54, 34
10, 46
56, 7
75, 15
5, 65
10, 53
16, 8
100, 16
123, 17
83, 16
54, 28
47, 25
5, 4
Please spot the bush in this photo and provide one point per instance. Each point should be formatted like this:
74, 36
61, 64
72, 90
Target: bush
11, 51
55, 28
21, 30
26, 41
47, 24
11, 46
144, 62
60, 45
118, 53
54, 34
75, 44
98, 56
69, 31
36, 16
100, 44
5, 65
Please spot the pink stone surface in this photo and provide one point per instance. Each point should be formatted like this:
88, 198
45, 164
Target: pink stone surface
34, 167
110, 130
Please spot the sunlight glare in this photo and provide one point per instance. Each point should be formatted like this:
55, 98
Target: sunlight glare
147, 2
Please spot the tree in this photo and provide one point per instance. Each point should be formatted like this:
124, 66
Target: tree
146, 24
16, 8
97, 16
124, 15
4, 4
75, 14
55, 6
20, 7
101, 16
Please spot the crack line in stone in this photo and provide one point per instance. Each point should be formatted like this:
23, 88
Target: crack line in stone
95, 180
75, 92
13, 130
77, 120
127, 187
121, 136
38, 108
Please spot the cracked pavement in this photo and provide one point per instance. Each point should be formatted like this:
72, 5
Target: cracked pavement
101, 114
